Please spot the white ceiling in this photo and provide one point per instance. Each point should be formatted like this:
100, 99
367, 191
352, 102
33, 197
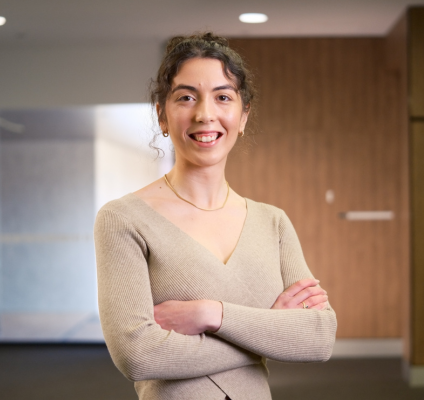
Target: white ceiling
82, 21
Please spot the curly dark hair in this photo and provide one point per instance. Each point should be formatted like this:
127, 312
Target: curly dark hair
202, 45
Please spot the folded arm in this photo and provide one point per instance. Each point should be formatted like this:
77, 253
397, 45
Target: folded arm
139, 347
287, 332
289, 335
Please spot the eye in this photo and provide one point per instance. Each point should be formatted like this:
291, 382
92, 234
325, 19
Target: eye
224, 97
185, 98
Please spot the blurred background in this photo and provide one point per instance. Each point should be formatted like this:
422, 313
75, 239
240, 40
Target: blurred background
338, 143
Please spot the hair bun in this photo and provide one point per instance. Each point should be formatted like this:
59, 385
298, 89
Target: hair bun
174, 42
208, 37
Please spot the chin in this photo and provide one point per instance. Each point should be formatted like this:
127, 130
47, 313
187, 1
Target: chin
209, 161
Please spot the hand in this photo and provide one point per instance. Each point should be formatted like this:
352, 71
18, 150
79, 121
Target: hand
189, 317
305, 290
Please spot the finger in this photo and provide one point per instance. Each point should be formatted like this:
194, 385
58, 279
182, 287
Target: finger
309, 292
320, 306
300, 285
314, 300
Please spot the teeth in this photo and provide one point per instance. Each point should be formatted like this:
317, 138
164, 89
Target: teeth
206, 139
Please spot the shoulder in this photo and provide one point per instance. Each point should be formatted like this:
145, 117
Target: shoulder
114, 227
123, 207
136, 203
269, 213
114, 216
129, 210
266, 210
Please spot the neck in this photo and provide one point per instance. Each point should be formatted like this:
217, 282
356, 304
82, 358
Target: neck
204, 186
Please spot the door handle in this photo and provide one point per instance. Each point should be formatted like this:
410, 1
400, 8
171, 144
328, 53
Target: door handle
367, 215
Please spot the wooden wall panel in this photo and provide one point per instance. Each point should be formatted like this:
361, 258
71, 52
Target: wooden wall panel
397, 62
328, 115
416, 114
417, 210
416, 54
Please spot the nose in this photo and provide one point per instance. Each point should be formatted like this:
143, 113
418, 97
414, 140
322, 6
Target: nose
205, 111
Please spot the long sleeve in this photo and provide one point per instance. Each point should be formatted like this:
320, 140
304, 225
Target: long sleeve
139, 347
283, 335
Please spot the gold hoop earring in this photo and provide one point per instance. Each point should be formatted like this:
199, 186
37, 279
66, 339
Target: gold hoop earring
165, 134
241, 134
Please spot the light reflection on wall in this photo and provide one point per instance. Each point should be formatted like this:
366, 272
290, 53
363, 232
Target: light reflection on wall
124, 160
54, 176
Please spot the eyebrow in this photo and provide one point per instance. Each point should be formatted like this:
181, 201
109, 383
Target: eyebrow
193, 89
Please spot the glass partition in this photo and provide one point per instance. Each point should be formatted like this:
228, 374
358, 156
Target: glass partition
57, 168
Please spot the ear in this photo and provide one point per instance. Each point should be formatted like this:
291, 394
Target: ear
243, 120
162, 123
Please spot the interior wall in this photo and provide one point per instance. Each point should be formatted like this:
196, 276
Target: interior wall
416, 120
397, 62
329, 119
417, 182
56, 171
53, 75
119, 170
124, 161
47, 208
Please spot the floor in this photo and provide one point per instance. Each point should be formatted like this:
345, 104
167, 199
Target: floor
85, 372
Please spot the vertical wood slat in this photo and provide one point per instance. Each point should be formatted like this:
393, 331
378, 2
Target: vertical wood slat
397, 61
416, 55
417, 225
416, 114
328, 113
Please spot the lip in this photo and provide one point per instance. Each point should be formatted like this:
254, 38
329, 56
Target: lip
205, 133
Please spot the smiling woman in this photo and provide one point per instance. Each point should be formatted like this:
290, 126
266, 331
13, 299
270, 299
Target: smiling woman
197, 284
203, 111
179, 50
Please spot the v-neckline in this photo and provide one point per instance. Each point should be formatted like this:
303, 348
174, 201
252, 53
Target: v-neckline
192, 238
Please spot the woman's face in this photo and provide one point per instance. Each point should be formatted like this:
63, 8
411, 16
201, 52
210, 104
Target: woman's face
204, 113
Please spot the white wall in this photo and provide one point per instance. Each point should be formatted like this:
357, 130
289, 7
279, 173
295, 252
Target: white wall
53, 75
120, 169
47, 208
124, 162
54, 177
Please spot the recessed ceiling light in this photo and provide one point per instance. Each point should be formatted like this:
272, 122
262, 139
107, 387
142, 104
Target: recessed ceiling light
2, 21
253, 18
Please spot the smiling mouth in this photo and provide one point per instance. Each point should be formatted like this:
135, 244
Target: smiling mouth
205, 138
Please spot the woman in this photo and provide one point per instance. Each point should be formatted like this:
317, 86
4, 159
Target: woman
198, 285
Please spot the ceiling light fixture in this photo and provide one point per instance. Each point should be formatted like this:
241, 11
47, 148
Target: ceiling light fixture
2, 21
253, 18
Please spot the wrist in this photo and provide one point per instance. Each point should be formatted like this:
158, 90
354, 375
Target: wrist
213, 311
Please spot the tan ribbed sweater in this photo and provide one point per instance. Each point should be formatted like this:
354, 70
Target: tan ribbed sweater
143, 260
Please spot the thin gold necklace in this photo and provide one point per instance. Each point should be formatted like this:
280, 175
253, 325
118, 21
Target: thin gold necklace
189, 202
